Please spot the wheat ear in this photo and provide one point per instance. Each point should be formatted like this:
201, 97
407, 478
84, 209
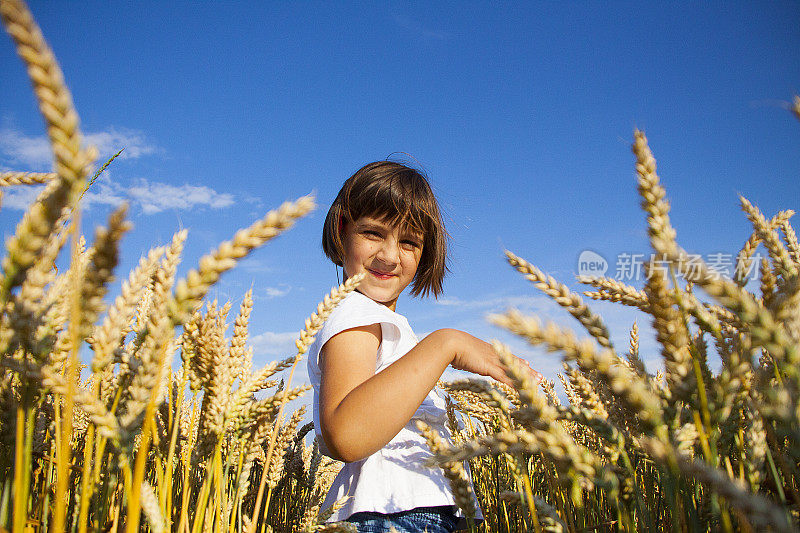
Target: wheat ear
564, 297
193, 288
546, 513
744, 257
765, 331
585, 391
71, 161
313, 325
671, 334
662, 234
791, 240
767, 234
267, 407
108, 335
632, 390
275, 470
158, 333
104, 256
633, 351
32, 315
571, 460
55, 101
337, 527
151, 508
306, 338
26, 178
454, 471
614, 291
240, 325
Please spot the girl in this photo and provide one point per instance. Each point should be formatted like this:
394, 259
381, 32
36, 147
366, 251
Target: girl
372, 378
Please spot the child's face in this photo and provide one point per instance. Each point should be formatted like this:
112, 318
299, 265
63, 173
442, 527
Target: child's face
388, 255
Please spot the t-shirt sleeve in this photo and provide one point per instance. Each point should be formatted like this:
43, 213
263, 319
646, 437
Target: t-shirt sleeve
352, 313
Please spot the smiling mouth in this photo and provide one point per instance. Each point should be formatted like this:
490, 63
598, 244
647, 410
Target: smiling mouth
380, 275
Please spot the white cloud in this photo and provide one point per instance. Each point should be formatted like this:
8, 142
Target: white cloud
151, 196
253, 265
275, 344
34, 152
276, 292
497, 303
110, 142
154, 197
104, 192
20, 197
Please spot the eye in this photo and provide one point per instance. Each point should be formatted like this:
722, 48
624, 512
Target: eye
372, 234
410, 244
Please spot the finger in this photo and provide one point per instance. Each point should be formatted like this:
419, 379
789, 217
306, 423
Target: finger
535, 376
496, 372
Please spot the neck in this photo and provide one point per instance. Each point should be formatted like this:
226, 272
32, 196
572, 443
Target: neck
391, 304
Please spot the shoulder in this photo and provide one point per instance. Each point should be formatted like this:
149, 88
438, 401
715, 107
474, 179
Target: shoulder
356, 310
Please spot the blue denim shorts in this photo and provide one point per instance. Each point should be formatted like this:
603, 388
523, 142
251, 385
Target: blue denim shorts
430, 519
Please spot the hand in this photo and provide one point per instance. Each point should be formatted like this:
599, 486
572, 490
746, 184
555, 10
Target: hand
535, 376
476, 356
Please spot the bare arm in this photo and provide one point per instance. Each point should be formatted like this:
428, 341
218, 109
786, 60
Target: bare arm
361, 411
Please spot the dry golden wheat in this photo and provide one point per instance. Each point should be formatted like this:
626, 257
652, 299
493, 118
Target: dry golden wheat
693, 449
125, 445
26, 178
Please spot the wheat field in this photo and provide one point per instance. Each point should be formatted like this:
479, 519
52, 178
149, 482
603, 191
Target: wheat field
129, 443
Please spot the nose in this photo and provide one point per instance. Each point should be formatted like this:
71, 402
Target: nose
389, 252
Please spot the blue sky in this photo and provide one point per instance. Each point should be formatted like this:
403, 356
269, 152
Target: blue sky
522, 114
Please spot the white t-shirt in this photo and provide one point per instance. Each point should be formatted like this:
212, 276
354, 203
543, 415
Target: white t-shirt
394, 478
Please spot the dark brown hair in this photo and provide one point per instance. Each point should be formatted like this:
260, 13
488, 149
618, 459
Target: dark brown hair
395, 194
